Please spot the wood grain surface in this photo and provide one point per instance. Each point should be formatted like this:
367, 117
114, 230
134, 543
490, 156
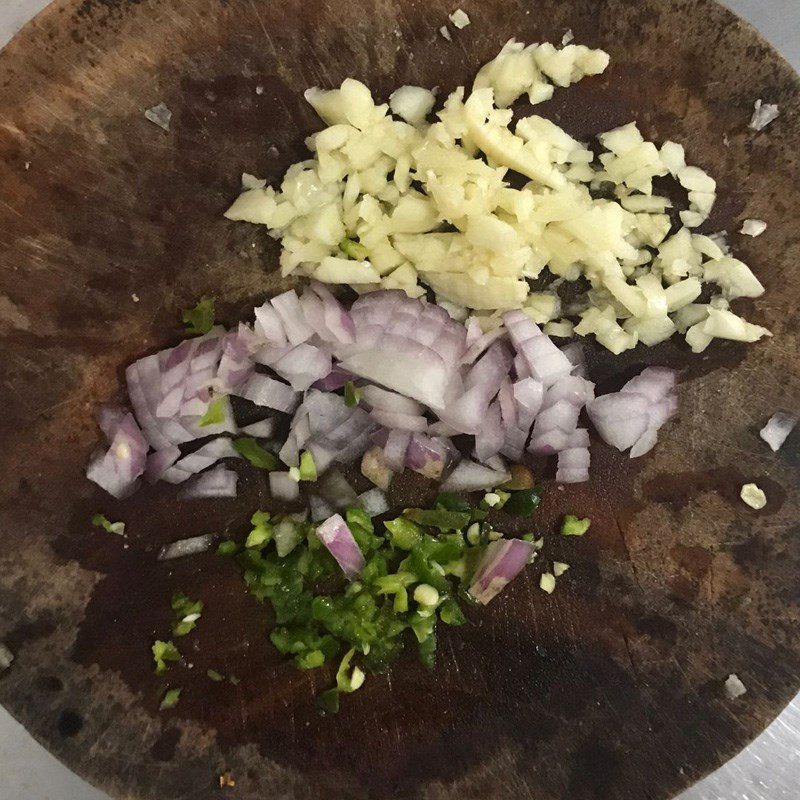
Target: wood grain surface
611, 688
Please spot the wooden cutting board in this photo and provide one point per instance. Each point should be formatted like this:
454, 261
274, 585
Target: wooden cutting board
612, 687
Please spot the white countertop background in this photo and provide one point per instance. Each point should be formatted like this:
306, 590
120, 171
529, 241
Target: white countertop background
769, 769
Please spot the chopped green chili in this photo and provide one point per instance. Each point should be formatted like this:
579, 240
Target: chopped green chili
308, 469
257, 455
438, 518
170, 699
572, 526
187, 612
523, 502
102, 521
200, 319
164, 653
215, 413
352, 394
417, 568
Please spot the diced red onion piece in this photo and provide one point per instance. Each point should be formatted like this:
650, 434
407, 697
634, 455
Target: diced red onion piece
201, 459
467, 413
514, 444
324, 411
572, 475
291, 315
177, 365
501, 563
470, 477
339, 542
356, 448
521, 369
171, 403
430, 457
474, 330
104, 471
399, 361
236, 364
263, 429
217, 482
314, 315
301, 428
303, 365
572, 388
109, 419
547, 444
508, 405
269, 354
337, 319
195, 407
491, 369
543, 359
268, 325
561, 416
777, 429
208, 349
283, 487
374, 502
428, 330
394, 450
645, 443
490, 436
159, 462
186, 547
496, 463
367, 338
144, 389
620, 418
663, 410
575, 353
405, 325
574, 458
334, 380
390, 401
143, 414
578, 438
529, 396
450, 345
655, 383
440, 428
197, 383
432, 311
118, 469
403, 422
381, 299
265, 391
482, 344
348, 432
422, 376
290, 451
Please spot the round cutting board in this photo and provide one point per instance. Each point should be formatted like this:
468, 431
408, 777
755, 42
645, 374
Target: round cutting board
610, 689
